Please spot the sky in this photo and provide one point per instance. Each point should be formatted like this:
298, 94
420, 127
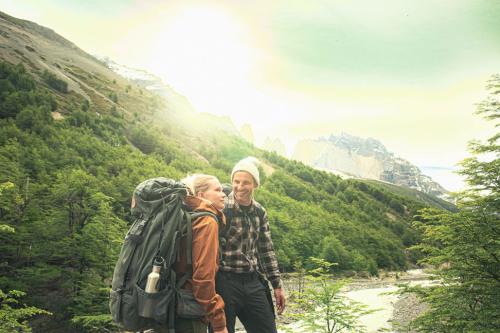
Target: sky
408, 73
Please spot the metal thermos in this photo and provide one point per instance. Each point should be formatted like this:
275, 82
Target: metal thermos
152, 281
148, 303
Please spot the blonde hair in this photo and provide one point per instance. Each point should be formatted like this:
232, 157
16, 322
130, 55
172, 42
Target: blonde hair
198, 182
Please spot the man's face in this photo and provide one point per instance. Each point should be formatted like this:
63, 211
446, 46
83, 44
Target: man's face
243, 186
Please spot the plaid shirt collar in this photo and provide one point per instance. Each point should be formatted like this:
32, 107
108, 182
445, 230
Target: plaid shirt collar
231, 203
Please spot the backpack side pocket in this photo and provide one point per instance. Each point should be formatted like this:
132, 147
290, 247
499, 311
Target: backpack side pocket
187, 306
155, 305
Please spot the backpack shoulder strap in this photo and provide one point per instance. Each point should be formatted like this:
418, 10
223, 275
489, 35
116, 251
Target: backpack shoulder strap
192, 216
228, 213
195, 215
260, 212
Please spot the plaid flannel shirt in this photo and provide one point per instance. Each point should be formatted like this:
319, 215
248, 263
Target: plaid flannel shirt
249, 246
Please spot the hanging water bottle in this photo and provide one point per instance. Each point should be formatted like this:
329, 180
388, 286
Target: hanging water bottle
153, 279
149, 303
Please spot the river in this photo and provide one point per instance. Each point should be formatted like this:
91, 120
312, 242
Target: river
375, 294
382, 298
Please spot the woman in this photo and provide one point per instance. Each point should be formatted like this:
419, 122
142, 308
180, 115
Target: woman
206, 196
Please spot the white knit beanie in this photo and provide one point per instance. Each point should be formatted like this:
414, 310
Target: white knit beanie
250, 165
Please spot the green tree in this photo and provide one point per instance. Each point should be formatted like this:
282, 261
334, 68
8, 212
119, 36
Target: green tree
13, 314
465, 245
332, 250
54, 82
320, 306
96, 324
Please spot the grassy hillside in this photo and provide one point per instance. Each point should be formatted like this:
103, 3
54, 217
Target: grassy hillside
74, 142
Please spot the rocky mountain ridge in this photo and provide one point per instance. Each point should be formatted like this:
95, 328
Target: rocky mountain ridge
364, 158
274, 145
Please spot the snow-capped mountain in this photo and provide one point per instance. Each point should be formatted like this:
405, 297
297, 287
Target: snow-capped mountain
141, 77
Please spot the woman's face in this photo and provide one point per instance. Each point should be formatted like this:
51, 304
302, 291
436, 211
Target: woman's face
214, 194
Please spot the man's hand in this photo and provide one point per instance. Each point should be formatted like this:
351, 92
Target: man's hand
279, 295
222, 331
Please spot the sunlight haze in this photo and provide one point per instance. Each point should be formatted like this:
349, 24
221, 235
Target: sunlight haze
404, 72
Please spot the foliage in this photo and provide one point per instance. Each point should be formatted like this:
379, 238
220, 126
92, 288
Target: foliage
6, 229
114, 97
96, 324
17, 91
13, 315
465, 245
54, 82
367, 241
320, 306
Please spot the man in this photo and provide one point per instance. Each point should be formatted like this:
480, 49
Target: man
248, 252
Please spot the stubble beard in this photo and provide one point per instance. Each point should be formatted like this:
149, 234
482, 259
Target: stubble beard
244, 199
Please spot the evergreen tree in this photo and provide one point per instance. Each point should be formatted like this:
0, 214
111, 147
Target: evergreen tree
319, 305
465, 245
13, 314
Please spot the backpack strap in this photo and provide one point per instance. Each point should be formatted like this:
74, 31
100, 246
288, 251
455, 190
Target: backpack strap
189, 236
260, 213
189, 240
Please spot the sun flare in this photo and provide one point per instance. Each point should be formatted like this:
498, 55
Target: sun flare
204, 51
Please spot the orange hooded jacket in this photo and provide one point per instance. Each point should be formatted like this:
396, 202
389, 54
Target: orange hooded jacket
205, 258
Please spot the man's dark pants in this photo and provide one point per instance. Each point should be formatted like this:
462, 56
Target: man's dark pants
245, 297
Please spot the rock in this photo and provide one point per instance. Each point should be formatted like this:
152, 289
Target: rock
406, 309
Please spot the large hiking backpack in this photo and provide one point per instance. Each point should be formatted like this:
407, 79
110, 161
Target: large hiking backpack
161, 219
